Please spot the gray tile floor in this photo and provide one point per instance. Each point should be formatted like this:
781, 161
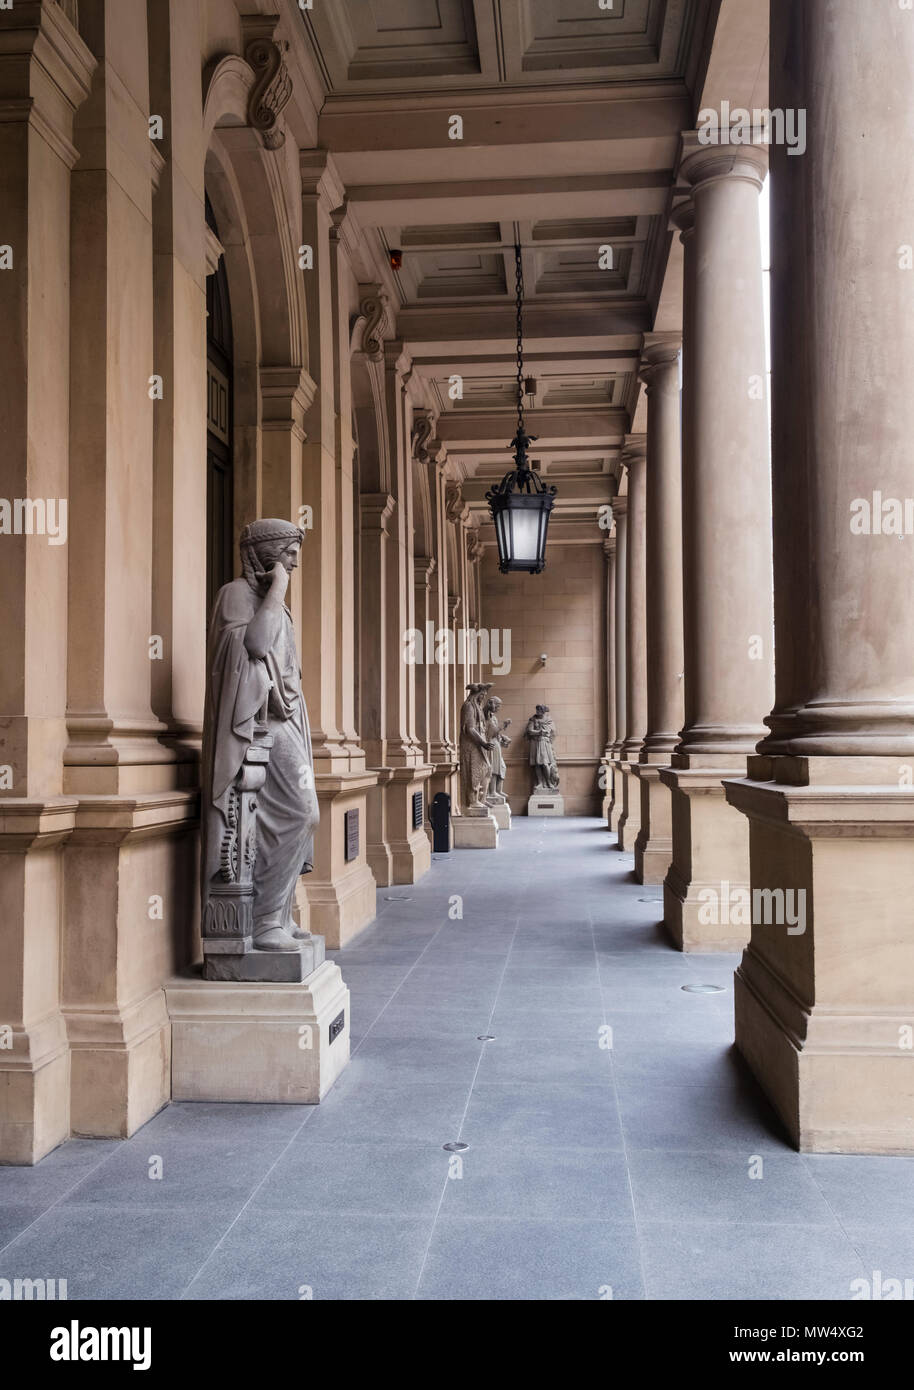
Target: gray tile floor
590, 1169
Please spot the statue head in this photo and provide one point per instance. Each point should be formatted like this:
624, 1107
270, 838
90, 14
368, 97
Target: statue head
493, 704
267, 542
542, 709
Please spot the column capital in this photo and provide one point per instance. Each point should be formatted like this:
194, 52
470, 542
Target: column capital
701, 163
375, 508
476, 547
397, 357
682, 218
424, 567
619, 506
660, 360
286, 394
214, 251
47, 73
344, 228
634, 452
609, 548
320, 178
453, 604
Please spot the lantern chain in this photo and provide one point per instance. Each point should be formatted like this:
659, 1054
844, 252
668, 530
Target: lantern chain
519, 293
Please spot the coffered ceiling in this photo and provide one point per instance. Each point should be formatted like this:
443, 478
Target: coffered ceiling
570, 120
398, 45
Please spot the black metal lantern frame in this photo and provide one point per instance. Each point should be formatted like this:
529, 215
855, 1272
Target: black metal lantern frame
521, 503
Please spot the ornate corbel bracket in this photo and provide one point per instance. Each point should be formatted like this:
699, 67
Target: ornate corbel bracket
475, 548
272, 85
455, 508
375, 321
423, 432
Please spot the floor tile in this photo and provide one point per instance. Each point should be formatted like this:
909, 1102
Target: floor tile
117, 1252
315, 1256
531, 1260
689, 1260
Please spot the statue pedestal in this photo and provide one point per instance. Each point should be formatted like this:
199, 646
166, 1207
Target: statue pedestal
283, 1043
475, 829
502, 813
261, 967
546, 804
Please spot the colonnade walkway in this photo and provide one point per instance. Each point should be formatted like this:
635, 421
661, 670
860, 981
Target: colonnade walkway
652, 1168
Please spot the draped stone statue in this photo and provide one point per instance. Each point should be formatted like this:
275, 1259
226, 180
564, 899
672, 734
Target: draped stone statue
540, 733
495, 733
259, 809
475, 750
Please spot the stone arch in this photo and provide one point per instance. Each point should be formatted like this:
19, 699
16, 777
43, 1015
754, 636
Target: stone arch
369, 420
423, 526
256, 216
269, 211
228, 207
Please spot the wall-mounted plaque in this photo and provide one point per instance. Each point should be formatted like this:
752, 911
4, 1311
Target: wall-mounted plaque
352, 834
336, 1026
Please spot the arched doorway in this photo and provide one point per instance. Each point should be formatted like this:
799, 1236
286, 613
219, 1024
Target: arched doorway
219, 465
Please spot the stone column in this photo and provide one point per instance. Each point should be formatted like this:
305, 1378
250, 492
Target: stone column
423, 570
726, 501
609, 552
825, 991
620, 515
453, 675
376, 510
180, 267
660, 373
402, 771
341, 891
44, 79
457, 513
442, 748
633, 459
131, 863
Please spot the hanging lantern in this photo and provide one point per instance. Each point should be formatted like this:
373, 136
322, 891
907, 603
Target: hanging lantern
521, 503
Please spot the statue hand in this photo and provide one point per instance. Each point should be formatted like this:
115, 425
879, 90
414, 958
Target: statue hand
279, 580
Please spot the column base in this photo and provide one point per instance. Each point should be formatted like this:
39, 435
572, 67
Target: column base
475, 831
606, 776
341, 892
704, 892
825, 991
630, 819
616, 806
34, 1092
270, 1043
120, 1067
398, 850
654, 842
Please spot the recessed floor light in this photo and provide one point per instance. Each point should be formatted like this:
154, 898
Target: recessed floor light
485, 1037
703, 989
456, 1146
398, 897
